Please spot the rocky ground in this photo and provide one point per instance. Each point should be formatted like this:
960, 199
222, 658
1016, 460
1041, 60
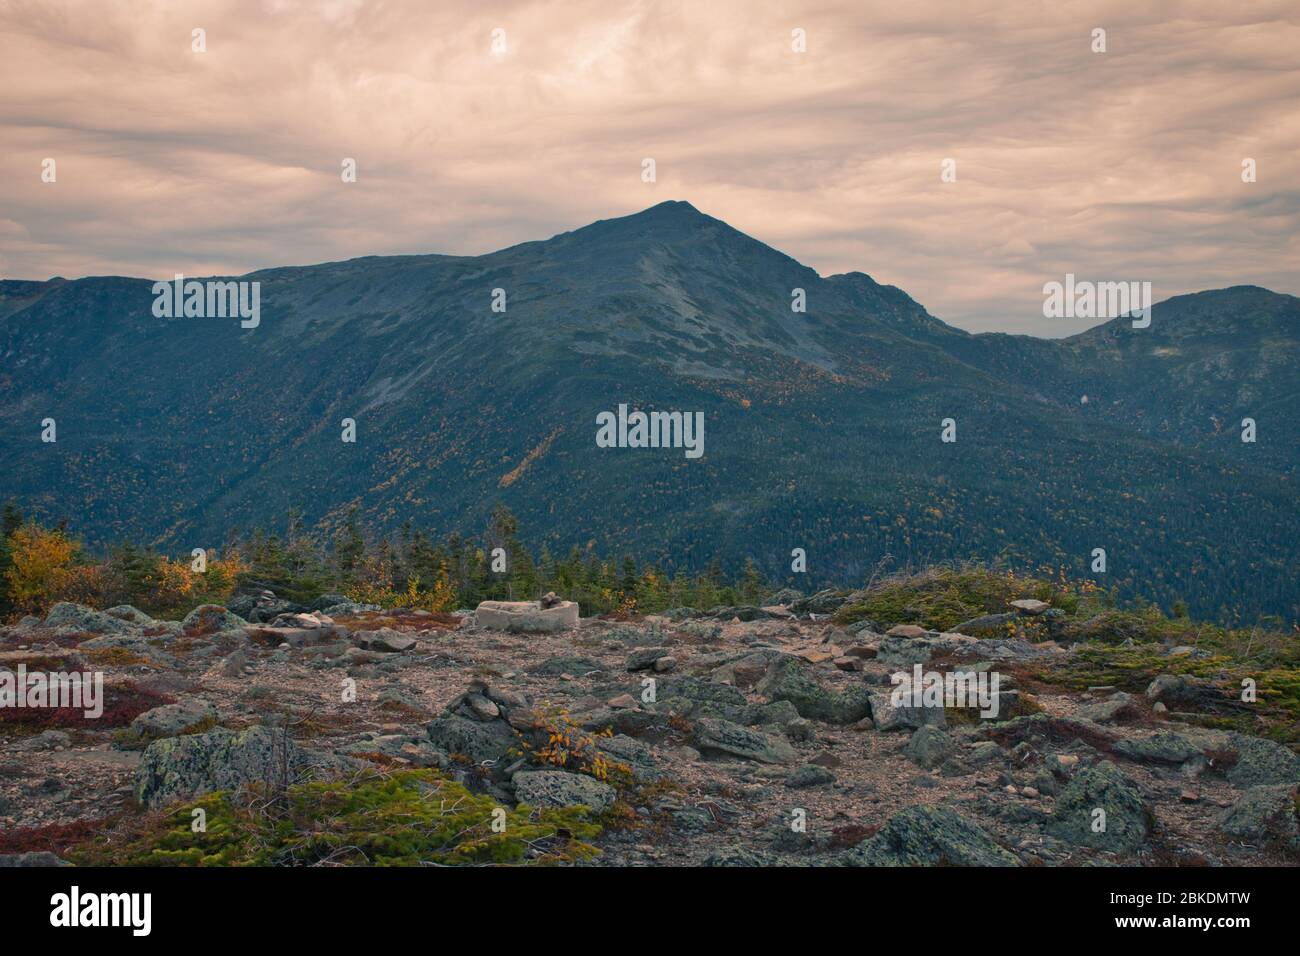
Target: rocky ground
742, 736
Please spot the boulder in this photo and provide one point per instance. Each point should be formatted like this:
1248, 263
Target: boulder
712, 735
556, 788
132, 615
1160, 748
1107, 711
1030, 607
1261, 762
385, 640
527, 617
477, 740
646, 658
906, 716
809, 775
791, 679
1126, 822
929, 747
210, 619
1264, 814
78, 617
930, 836
170, 720
179, 768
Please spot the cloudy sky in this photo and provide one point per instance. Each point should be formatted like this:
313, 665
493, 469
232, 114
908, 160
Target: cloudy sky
1125, 164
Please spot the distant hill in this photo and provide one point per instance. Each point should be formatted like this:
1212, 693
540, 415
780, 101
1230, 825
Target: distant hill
822, 429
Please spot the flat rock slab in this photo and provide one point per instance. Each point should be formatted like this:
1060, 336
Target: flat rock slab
295, 636
526, 617
556, 788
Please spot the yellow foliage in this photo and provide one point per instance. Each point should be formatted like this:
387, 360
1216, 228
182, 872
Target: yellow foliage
41, 566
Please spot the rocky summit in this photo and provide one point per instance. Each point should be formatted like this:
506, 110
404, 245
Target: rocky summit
524, 732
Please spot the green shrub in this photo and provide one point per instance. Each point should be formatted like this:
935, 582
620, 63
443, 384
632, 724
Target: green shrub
406, 818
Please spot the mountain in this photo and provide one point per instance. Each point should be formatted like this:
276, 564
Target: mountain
822, 429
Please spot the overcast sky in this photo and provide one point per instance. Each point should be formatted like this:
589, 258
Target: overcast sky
1118, 165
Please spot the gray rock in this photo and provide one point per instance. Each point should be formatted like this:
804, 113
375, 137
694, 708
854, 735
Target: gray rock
555, 788
1264, 814
1261, 762
712, 735
125, 612
1106, 711
888, 717
527, 617
384, 640
555, 666
178, 768
1030, 606
78, 617
987, 624
482, 708
1127, 821
738, 856
823, 602
645, 658
809, 775
170, 719
474, 739
211, 619
929, 747
791, 679
1160, 748
45, 740
630, 751
35, 858
930, 836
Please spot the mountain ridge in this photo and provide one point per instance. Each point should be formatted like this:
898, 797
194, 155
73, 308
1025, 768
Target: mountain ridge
823, 428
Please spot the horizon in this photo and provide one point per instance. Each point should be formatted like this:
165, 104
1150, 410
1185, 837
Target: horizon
223, 162
1097, 323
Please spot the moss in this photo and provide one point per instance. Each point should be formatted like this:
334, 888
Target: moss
113, 657
942, 598
406, 818
1275, 715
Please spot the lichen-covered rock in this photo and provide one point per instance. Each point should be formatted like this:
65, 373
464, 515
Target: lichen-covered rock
477, 740
177, 768
904, 716
132, 615
631, 752
928, 747
809, 775
1265, 814
930, 836
1261, 762
210, 619
712, 735
170, 719
1159, 748
645, 658
78, 617
1123, 823
791, 679
1106, 711
556, 788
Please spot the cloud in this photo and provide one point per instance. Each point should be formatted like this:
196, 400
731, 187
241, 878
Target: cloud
1123, 164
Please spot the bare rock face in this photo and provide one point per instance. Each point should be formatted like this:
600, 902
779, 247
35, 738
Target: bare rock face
527, 617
